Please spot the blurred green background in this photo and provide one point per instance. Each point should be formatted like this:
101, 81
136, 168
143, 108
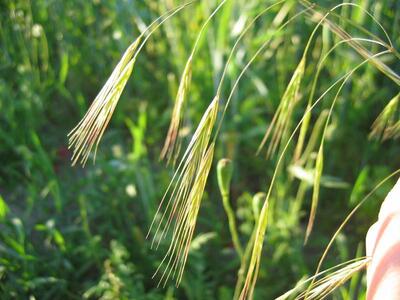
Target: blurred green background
73, 233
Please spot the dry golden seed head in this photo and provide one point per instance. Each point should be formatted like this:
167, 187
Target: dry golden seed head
191, 160
280, 124
183, 196
186, 216
326, 285
254, 263
171, 145
87, 134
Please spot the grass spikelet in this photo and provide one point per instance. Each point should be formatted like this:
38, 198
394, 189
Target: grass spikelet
387, 125
314, 137
90, 129
302, 134
184, 196
170, 144
317, 181
328, 284
280, 124
176, 256
327, 281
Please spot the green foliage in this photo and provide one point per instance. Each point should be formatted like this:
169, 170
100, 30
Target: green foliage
72, 233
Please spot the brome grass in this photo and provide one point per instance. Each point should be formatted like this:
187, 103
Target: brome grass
184, 196
177, 214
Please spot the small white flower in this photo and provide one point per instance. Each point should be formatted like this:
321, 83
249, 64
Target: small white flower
37, 30
131, 190
117, 34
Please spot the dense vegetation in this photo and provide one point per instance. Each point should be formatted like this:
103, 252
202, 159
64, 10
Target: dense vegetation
72, 233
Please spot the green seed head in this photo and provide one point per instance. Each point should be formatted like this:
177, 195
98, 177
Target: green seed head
224, 170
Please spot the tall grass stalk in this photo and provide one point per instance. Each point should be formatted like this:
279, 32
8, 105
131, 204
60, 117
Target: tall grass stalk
224, 174
380, 65
319, 160
251, 60
320, 155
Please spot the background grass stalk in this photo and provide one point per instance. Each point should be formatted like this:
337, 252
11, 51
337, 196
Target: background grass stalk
224, 174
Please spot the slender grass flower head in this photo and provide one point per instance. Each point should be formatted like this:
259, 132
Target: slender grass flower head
184, 196
87, 134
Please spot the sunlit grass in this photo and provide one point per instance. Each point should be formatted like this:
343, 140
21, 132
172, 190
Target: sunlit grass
179, 208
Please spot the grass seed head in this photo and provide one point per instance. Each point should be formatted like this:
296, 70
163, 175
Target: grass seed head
185, 221
184, 196
319, 164
325, 282
172, 145
87, 134
280, 124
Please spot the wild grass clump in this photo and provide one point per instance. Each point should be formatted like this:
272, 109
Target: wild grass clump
178, 211
314, 75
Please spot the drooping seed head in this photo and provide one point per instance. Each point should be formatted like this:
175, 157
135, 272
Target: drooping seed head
280, 124
172, 145
87, 134
184, 196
